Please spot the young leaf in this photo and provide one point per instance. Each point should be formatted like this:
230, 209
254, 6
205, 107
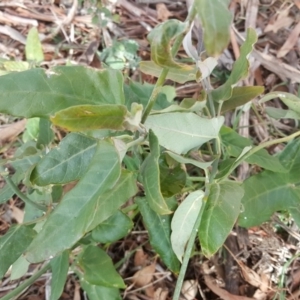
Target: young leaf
161, 38
239, 70
60, 267
216, 20
181, 132
184, 220
99, 269
268, 192
13, 244
150, 68
46, 134
89, 117
66, 163
240, 96
221, 211
33, 48
98, 292
290, 100
40, 93
235, 144
159, 229
151, 180
73, 216
114, 228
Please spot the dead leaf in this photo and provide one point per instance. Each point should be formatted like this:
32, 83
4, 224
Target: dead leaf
17, 214
297, 3
10, 131
189, 289
144, 276
140, 258
223, 294
279, 23
163, 13
290, 42
160, 294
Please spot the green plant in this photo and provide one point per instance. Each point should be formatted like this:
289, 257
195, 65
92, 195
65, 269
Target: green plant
119, 134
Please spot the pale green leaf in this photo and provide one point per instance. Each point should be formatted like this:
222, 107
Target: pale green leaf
290, 100
33, 48
278, 113
12, 245
19, 268
239, 71
220, 213
40, 93
112, 229
66, 163
46, 134
183, 76
151, 178
184, 220
60, 267
161, 38
181, 132
216, 19
73, 216
159, 229
99, 269
89, 117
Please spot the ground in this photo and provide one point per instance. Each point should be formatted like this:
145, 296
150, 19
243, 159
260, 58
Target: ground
258, 263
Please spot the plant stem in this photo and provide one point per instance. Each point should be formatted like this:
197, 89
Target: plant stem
163, 75
18, 192
196, 178
26, 283
187, 254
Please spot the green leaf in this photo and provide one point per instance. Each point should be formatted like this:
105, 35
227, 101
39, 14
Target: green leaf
46, 134
136, 92
159, 229
216, 19
239, 71
184, 160
98, 292
221, 211
99, 269
151, 178
290, 100
278, 113
161, 38
172, 180
181, 132
89, 117
33, 48
240, 96
32, 130
184, 220
40, 93
114, 228
66, 163
73, 216
235, 144
60, 267
150, 68
295, 212
13, 244
19, 268
6, 192
268, 192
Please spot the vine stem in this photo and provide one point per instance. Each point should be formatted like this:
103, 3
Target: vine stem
22, 196
26, 283
163, 75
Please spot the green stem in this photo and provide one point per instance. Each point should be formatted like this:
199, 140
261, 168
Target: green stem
187, 254
26, 283
163, 75
196, 178
257, 148
22, 196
